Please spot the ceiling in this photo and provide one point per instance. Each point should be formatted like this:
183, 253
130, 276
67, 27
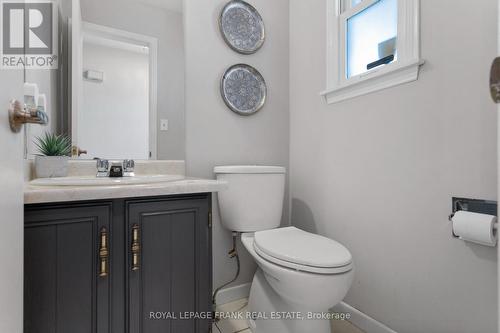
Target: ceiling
173, 5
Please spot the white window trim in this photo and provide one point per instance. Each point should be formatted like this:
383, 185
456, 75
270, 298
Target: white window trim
404, 70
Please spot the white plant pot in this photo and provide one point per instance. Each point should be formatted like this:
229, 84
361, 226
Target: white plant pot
51, 166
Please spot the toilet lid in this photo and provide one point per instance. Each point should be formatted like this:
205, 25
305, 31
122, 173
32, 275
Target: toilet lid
295, 246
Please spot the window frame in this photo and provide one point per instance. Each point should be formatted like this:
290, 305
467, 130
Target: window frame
346, 5
404, 69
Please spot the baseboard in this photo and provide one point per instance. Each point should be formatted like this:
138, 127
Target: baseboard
358, 318
361, 320
228, 295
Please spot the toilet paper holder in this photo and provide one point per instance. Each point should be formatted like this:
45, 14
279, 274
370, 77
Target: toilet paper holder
473, 205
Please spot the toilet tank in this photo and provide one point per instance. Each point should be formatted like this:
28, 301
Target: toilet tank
253, 200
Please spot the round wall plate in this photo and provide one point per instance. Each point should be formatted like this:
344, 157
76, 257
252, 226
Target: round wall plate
242, 27
243, 89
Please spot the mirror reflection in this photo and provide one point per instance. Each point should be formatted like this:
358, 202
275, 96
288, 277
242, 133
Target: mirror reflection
117, 92
121, 83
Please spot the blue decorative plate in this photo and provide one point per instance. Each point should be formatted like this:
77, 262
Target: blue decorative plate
243, 89
242, 27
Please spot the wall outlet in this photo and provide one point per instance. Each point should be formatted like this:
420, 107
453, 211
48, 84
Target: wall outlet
164, 125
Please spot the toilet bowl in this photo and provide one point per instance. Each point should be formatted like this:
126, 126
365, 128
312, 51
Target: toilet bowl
300, 275
293, 288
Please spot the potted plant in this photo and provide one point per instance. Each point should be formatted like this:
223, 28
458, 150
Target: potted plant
54, 155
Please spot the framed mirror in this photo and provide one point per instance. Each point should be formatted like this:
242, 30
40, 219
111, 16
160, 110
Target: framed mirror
119, 89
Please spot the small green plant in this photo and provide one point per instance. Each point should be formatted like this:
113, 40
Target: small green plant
53, 145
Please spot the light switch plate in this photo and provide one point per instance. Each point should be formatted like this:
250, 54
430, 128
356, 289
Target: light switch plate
164, 125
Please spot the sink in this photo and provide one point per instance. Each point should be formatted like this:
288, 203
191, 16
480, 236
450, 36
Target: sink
105, 181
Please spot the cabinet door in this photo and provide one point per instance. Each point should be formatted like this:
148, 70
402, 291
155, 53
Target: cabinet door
170, 272
66, 288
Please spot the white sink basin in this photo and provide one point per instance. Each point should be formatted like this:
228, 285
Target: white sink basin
104, 181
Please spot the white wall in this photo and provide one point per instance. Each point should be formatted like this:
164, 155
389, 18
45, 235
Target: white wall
216, 135
377, 172
113, 122
11, 209
167, 27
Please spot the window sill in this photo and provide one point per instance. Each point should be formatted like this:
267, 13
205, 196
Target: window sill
378, 81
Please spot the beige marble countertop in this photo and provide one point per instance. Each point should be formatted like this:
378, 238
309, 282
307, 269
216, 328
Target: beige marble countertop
53, 194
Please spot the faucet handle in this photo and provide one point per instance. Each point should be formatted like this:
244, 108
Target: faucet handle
128, 165
102, 165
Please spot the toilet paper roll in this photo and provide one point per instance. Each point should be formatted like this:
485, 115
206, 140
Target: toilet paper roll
475, 227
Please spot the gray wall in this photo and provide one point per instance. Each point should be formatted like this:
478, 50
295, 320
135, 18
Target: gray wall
377, 172
214, 134
167, 27
49, 84
11, 208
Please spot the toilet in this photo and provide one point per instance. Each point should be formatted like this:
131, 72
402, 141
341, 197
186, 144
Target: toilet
300, 275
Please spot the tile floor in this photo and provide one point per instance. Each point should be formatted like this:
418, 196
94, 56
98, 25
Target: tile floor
232, 325
344, 326
241, 326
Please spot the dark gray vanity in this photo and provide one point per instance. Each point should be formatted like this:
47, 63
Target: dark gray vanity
121, 265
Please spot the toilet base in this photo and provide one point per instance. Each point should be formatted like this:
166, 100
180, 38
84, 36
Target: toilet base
265, 305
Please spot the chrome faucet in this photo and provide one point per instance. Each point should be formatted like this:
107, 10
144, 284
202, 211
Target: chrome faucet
106, 168
128, 168
102, 168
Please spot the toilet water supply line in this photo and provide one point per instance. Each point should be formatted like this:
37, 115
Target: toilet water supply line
233, 253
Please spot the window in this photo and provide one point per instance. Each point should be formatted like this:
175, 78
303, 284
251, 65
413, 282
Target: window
371, 36
373, 45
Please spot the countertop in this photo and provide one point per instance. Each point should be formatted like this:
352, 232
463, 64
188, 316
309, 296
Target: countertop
53, 194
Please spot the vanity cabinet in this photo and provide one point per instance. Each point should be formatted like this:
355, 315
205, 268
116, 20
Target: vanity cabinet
127, 265
62, 289
173, 271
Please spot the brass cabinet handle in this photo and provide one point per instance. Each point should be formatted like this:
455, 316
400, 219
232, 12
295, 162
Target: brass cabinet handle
136, 247
103, 253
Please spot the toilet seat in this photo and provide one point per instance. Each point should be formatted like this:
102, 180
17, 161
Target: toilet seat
300, 250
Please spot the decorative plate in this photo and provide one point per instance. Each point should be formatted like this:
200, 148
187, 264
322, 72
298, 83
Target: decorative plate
243, 89
242, 27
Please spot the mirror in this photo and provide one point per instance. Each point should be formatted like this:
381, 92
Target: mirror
120, 83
